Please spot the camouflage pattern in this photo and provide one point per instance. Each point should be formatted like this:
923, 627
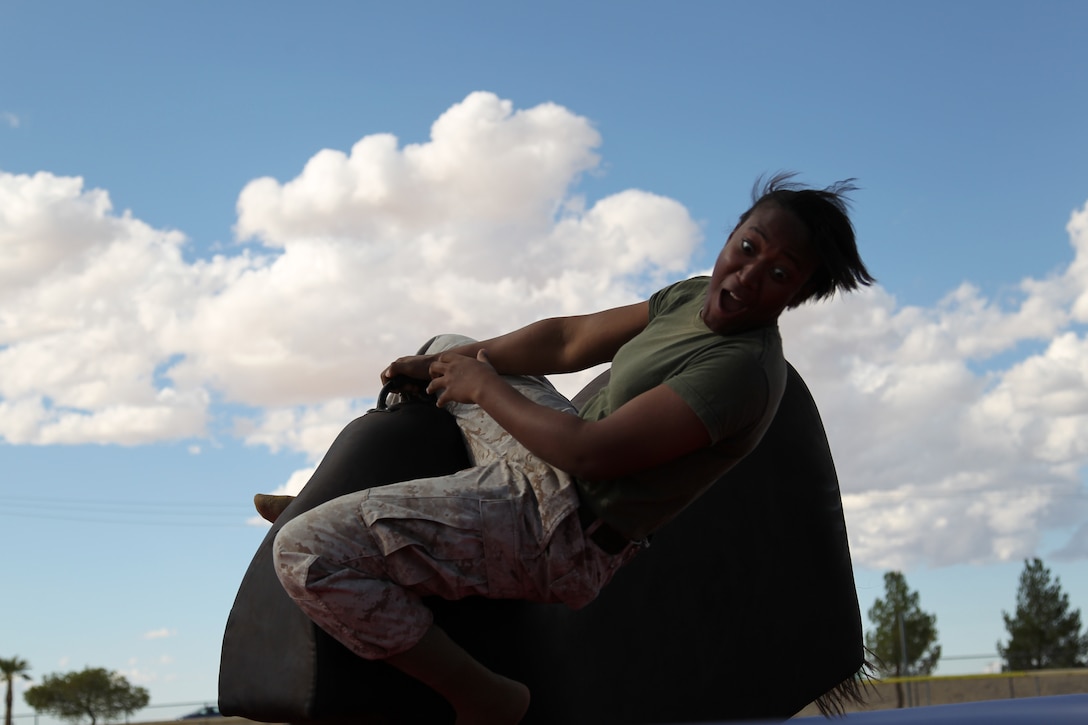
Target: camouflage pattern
505, 528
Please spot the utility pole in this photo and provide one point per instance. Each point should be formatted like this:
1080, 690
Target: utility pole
903, 656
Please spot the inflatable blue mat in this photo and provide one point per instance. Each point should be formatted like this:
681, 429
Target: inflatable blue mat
1053, 710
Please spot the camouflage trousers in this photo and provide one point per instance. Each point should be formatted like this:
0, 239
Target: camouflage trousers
505, 528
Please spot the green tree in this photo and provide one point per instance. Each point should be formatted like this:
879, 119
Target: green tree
1044, 633
10, 669
898, 619
93, 693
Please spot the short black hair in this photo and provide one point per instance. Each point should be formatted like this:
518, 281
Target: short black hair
824, 212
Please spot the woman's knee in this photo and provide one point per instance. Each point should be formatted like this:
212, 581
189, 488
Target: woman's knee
292, 558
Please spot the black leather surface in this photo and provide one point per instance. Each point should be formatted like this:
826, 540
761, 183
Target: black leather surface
744, 607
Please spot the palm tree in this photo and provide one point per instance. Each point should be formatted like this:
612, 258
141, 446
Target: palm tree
10, 669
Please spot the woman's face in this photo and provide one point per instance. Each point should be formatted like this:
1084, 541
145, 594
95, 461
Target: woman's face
765, 264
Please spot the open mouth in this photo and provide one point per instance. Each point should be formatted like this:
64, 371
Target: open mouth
729, 302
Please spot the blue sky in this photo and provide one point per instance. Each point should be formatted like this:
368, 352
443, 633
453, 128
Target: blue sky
187, 316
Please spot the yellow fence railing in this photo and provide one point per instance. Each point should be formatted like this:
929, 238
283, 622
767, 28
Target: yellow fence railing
921, 690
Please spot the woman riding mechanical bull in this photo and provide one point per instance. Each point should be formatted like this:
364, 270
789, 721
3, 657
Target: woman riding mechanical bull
557, 499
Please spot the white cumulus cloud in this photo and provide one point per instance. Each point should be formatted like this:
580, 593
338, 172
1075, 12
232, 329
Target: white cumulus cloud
91, 304
958, 430
944, 454
108, 335
161, 633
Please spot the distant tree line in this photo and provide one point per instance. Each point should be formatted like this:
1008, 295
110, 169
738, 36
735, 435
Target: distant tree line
91, 694
1044, 633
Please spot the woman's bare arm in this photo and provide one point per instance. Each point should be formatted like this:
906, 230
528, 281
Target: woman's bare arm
553, 345
653, 428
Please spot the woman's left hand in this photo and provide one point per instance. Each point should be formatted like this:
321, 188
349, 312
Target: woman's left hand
461, 379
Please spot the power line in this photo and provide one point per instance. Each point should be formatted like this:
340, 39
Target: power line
115, 502
134, 522
128, 512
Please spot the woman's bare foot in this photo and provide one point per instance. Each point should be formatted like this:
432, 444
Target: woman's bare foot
270, 507
478, 695
504, 703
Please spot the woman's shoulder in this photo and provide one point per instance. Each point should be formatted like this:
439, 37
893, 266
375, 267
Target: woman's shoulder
678, 294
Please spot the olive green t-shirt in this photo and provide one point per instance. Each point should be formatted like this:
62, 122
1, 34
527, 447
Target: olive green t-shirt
733, 383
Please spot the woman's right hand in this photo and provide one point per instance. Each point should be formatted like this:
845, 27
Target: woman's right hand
417, 367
